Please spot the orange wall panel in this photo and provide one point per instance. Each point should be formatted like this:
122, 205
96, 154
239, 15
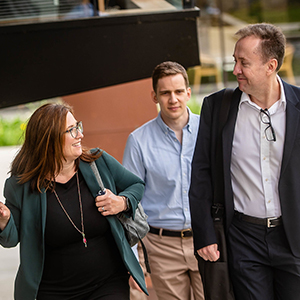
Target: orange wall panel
110, 114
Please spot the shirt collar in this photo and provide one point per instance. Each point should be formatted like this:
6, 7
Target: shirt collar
278, 104
165, 128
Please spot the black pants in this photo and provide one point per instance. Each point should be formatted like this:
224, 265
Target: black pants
261, 264
116, 288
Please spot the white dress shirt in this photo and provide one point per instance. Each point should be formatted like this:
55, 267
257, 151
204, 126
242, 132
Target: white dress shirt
255, 161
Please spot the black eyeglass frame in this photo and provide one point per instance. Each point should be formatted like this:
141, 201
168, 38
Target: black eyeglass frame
269, 123
78, 127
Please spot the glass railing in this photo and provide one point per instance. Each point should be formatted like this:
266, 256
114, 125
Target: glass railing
34, 11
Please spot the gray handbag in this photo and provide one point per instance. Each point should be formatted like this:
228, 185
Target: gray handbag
135, 229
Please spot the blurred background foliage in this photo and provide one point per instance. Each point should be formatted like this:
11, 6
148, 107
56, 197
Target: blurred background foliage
11, 131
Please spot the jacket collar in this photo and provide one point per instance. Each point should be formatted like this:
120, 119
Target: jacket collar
292, 123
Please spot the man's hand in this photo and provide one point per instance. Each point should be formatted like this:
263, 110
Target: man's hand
4, 215
210, 252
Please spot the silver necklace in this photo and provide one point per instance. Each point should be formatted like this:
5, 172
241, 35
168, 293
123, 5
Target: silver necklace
81, 212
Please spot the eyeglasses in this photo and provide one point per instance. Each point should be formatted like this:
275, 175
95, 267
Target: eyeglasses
269, 130
75, 129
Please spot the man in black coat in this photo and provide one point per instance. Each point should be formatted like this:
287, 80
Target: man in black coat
261, 172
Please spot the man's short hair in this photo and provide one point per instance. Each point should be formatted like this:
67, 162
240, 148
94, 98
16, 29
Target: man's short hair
272, 40
168, 68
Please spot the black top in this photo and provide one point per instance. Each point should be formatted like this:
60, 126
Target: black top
71, 268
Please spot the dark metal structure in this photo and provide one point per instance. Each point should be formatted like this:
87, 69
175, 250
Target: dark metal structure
45, 60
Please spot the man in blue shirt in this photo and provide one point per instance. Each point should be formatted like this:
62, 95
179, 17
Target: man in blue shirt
160, 152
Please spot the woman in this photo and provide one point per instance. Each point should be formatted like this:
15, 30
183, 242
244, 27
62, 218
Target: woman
71, 244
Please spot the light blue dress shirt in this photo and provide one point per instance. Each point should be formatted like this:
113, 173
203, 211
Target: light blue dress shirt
154, 154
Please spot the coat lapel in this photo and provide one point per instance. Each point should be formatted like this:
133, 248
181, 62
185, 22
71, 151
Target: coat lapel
43, 201
228, 131
292, 123
227, 138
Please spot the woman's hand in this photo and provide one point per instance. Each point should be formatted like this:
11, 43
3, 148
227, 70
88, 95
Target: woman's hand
4, 215
110, 204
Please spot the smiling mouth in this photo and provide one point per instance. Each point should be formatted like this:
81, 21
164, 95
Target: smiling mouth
77, 144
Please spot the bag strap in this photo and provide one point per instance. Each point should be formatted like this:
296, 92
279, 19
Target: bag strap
98, 177
219, 178
102, 190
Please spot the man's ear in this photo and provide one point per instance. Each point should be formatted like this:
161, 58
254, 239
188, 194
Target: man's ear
189, 92
154, 98
272, 65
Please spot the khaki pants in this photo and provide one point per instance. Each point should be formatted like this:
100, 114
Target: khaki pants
135, 294
174, 268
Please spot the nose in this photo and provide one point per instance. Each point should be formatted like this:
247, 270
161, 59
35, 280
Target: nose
173, 98
79, 135
236, 69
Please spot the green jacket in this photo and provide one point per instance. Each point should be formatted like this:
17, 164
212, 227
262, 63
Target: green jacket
28, 219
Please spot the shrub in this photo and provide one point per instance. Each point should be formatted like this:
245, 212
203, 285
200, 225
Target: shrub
194, 105
11, 132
